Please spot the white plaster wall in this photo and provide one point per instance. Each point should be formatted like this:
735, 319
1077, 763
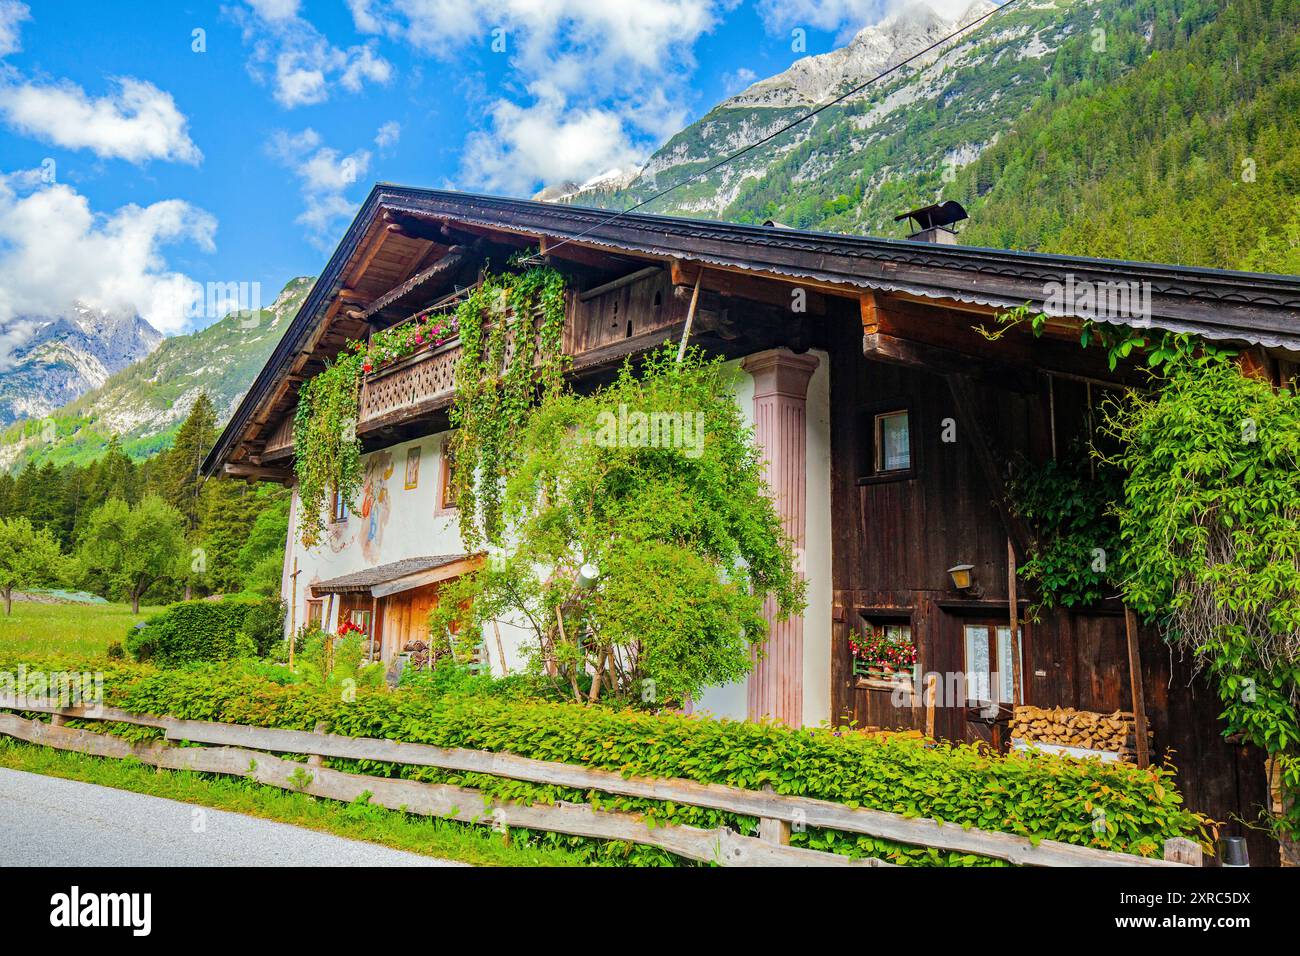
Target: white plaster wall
817, 557
401, 523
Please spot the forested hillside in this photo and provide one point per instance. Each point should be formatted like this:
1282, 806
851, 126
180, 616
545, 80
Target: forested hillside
143, 405
1193, 156
1166, 130
234, 532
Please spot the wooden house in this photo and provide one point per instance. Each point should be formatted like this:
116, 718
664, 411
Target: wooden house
887, 422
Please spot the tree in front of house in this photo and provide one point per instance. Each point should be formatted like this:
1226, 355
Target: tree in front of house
129, 550
29, 558
638, 542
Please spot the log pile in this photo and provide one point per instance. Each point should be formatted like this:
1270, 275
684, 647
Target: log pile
1068, 727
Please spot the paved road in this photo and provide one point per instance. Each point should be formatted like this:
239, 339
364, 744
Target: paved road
46, 821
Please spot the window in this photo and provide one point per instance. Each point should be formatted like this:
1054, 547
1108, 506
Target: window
893, 443
315, 613
989, 663
447, 474
883, 652
340, 508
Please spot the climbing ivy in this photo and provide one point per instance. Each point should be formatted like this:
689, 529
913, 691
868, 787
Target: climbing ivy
1067, 503
1207, 539
327, 454
1210, 522
511, 327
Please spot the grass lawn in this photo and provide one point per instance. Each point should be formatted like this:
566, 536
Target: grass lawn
85, 630
449, 841
77, 629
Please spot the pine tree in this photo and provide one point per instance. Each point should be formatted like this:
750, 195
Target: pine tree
179, 479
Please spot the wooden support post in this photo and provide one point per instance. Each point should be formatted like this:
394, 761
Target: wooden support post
772, 830
931, 692
1183, 850
1135, 687
1016, 669
501, 653
293, 610
690, 317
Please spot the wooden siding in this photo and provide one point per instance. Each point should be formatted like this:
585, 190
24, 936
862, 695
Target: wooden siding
893, 541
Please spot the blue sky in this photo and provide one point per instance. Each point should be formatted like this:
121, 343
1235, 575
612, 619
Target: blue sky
130, 162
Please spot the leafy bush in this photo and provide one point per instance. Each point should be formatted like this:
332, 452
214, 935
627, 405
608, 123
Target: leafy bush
208, 631
1110, 806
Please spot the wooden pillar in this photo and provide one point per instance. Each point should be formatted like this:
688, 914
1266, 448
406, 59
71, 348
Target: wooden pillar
780, 429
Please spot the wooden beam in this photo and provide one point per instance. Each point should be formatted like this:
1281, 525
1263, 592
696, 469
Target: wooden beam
236, 470
870, 311
620, 282
1135, 687
968, 416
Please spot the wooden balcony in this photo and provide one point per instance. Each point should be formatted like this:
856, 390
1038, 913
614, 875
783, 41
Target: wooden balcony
600, 329
408, 388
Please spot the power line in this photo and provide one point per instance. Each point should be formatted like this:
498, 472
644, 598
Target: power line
786, 128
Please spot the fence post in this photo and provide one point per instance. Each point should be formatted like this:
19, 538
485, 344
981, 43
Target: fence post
316, 760
772, 830
1183, 850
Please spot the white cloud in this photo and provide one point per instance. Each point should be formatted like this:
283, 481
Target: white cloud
275, 9
298, 61
137, 122
742, 78
12, 13
324, 176
846, 16
55, 252
605, 82
544, 142
388, 134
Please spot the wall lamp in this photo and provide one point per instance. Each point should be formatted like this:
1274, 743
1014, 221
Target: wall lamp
963, 579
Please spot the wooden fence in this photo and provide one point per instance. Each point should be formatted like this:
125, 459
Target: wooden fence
242, 751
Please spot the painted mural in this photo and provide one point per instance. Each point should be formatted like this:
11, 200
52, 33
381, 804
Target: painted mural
375, 505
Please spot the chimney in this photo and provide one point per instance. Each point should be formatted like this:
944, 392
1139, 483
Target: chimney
934, 223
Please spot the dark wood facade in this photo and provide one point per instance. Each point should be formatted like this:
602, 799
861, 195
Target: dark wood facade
894, 540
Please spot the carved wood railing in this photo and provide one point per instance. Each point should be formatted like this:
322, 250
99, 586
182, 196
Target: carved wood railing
418, 382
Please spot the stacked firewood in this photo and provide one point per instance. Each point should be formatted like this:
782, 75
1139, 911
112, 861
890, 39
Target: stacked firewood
1075, 728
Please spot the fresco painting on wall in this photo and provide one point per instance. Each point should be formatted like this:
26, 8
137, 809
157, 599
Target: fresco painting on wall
375, 503
413, 468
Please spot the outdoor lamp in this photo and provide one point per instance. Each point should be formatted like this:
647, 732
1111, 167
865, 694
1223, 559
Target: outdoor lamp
962, 577
587, 575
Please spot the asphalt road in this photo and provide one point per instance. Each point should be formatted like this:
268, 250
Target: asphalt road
46, 821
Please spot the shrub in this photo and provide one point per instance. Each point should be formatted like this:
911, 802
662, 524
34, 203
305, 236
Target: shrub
208, 631
1109, 806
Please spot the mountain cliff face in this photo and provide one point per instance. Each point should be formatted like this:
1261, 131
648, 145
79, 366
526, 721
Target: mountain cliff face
144, 403
68, 355
1161, 130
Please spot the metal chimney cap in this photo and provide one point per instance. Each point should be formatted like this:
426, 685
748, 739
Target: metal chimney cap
935, 215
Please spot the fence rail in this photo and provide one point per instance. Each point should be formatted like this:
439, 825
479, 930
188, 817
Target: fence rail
243, 751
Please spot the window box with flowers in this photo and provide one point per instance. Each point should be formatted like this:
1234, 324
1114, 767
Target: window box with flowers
420, 334
883, 655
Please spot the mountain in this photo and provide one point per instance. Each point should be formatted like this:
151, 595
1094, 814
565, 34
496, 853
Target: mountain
1150, 129
145, 402
66, 356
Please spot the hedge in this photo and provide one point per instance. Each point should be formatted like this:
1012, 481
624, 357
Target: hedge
1110, 806
208, 631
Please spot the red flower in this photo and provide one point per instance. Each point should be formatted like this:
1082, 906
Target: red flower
367, 367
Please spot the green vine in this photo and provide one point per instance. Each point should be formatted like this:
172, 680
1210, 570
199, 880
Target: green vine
327, 454
1076, 537
1205, 527
511, 330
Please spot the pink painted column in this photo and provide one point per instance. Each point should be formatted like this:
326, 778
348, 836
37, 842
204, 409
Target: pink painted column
780, 411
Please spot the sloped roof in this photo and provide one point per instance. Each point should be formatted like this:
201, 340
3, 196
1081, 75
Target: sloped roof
367, 578
1244, 307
